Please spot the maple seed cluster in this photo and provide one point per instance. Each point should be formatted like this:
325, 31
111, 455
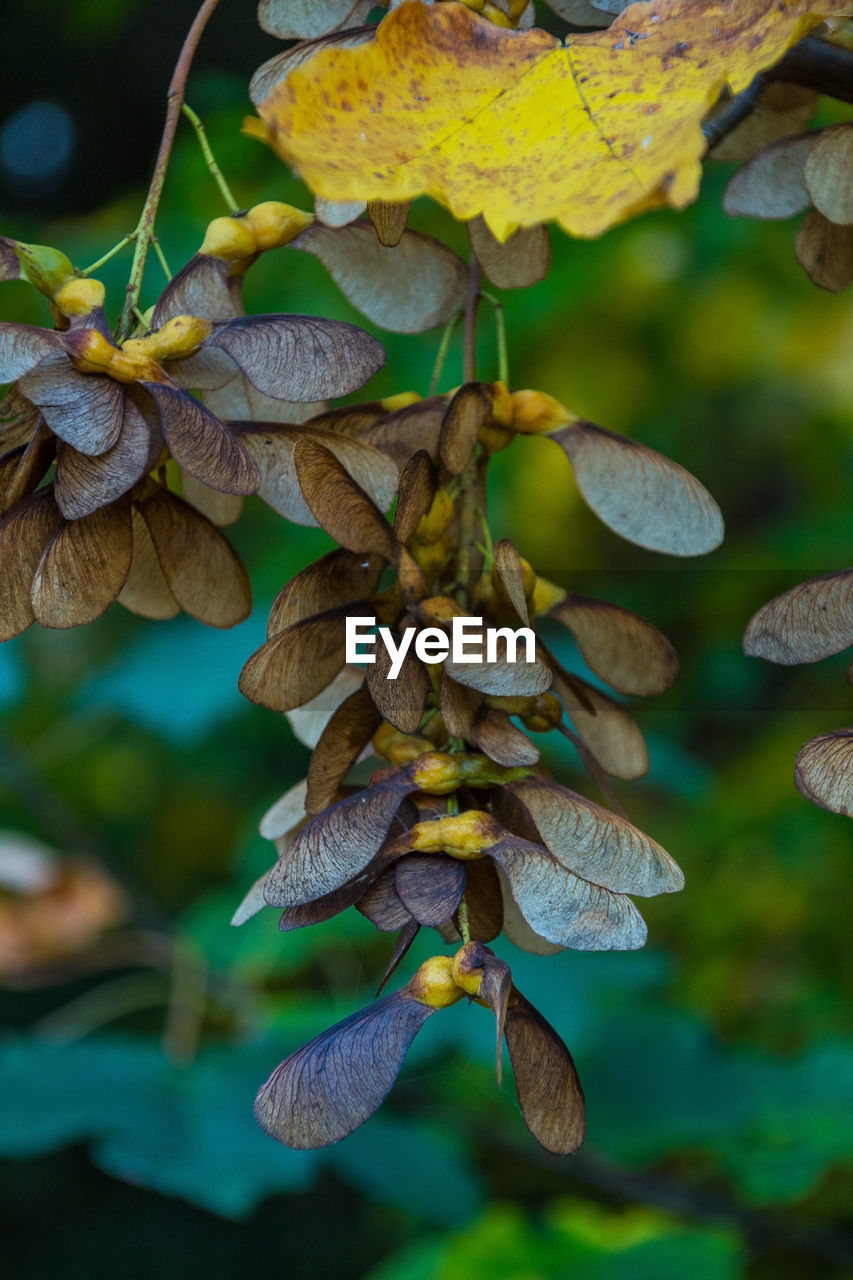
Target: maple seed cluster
459, 831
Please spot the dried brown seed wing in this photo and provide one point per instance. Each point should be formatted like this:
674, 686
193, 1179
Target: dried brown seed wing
495, 989
465, 415
389, 220
337, 845
430, 886
18, 420
515, 927
547, 1083
496, 735
502, 676
201, 444
298, 663
272, 446
609, 731
811, 621
238, 401
341, 577
596, 844
564, 908
287, 812
325, 1090
382, 905
519, 262
83, 483
339, 504
22, 346
829, 173
204, 287
24, 534
300, 357
306, 20
825, 252
146, 590
483, 899
221, 509
772, 184
418, 485
620, 646
347, 733
459, 705
824, 771
510, 571
310, 719
23, 469
252, 903
84, 567
84, 409
406, 937
402, 433
204, 572
401, 701
324, 908
414, 286
640, 494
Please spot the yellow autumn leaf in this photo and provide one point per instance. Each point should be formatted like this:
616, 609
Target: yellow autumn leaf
518, 126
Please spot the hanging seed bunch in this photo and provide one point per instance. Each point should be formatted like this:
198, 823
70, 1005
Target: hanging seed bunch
810, 622
137, 462
458, 829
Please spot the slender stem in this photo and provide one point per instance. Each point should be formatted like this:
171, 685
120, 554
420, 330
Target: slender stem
734, 113
462, 917
174, 100
500, 326
213, 167
469, 369
468, 559
111, 253
161, 257
443, 348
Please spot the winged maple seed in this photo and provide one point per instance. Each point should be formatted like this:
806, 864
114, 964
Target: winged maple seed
812, 621
325, 1090
795, 173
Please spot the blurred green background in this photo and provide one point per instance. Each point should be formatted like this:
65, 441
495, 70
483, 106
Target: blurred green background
718, 1063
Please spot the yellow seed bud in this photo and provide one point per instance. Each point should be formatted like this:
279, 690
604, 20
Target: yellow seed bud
440, 609
275, 224
437, 519
497, 16
467, 967
528, 582
401, 400
78, 297
493, 438
229, 238
433, 983
396, 747
178, 337
461, 835
534, 412
545, 595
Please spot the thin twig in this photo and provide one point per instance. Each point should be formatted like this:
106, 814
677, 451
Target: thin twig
174, 100
468, 558
441, 354
210, 161
110, 253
